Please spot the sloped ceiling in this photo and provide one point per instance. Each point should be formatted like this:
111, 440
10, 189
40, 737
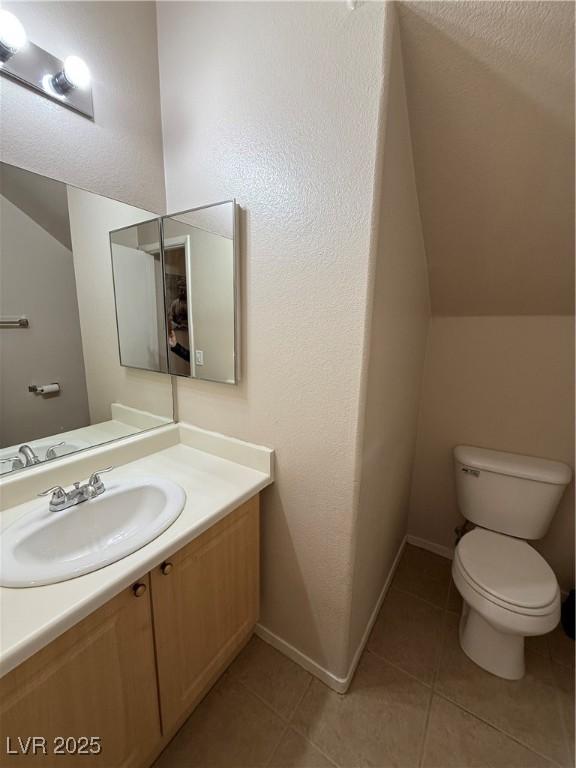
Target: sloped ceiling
44, 200
491, 101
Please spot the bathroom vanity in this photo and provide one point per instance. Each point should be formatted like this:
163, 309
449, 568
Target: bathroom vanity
123, 598
106, 667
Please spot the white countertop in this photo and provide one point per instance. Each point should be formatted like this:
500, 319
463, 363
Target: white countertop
125, 421
32, 617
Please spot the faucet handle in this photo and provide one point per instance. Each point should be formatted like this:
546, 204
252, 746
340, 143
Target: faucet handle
57, 494
57, 489
95, 482
95, 476
51, 453
6, 459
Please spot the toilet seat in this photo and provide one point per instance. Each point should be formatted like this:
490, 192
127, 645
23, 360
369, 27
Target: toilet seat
508, 572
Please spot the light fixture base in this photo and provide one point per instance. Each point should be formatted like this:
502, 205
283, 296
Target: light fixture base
5, 53
36, 68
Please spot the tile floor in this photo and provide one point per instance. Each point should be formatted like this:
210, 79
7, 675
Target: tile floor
416, 699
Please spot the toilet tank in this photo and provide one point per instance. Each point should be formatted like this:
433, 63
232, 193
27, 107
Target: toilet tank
509, 493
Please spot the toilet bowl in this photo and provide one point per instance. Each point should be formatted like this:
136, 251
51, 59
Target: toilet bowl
509, 592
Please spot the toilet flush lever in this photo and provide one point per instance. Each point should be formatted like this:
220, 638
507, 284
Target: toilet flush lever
469, 471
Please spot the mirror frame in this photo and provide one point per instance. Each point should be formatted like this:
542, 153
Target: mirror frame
236, 279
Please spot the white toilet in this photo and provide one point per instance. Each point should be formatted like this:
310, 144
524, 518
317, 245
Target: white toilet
509, 590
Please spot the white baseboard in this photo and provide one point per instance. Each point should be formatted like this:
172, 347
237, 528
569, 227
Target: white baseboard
341, 684
431, 546
373, 616
338, 684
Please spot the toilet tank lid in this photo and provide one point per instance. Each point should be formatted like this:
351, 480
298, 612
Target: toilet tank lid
514, 464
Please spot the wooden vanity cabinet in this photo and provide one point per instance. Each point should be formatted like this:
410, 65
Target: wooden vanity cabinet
205, 603
98, 679
132, 672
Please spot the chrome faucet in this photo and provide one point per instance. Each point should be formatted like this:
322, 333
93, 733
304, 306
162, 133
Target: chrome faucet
61, 499
28, 457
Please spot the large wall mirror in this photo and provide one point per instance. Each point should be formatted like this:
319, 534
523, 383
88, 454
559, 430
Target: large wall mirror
62, 386
176, 286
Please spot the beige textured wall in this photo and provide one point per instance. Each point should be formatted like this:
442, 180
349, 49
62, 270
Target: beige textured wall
496, 382
119, 154
92, 217
491, 101
282, 113
394, 352
491, 97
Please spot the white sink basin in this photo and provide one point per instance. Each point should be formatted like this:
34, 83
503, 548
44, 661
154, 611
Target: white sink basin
44, 547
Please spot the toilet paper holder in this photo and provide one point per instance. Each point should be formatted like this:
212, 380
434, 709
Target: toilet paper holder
45, 389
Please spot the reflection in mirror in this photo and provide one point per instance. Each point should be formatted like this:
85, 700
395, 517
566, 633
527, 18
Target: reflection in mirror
200, 275
178, 321
62, 388
137, 274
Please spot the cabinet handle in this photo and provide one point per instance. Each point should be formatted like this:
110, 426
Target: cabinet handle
139, 589
166, 568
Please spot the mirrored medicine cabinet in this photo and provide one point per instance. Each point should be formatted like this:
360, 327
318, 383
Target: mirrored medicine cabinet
100, 302
175, 289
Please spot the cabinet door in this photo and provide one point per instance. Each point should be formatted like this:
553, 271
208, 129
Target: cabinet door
98, 679
205, 605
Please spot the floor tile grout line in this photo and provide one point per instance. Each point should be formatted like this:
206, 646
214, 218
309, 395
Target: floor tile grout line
398, 669
449, 591
419, 597
236, 679
285, 722
286, 719
426, 725
319, 749
274, 750
443, 609
568, 743
438, 659
261, 700
246, 686
562, 664
290, 724
440, 654
301, 697
330, 760
567, 740
496, 728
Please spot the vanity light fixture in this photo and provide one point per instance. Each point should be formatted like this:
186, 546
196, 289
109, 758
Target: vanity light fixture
66, 82
12, 35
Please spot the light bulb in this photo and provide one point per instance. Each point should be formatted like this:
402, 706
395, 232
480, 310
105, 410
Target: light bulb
12, 35
74, 74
